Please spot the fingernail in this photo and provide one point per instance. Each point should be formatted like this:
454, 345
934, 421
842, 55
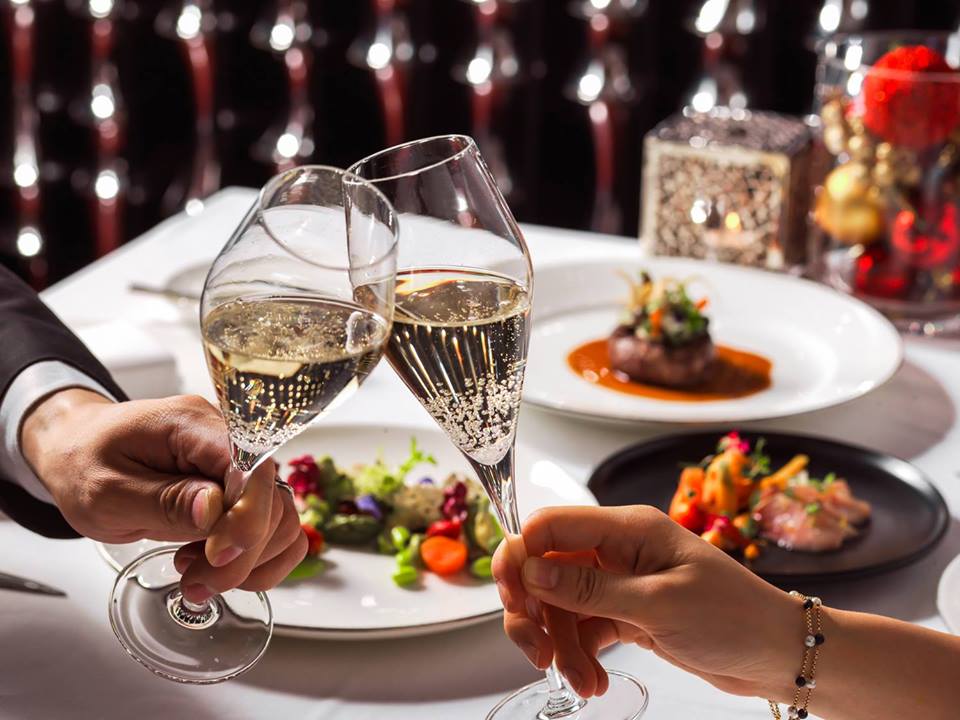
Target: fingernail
197, 592
183, 560
574, 679
533, 655
226, 556
200, 509
541, 573
533, 609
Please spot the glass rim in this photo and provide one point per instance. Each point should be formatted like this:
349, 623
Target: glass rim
345, 176
469, 144
859, 38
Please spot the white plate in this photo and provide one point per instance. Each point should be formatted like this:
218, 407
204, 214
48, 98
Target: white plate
355, 599
948, 596
826, 348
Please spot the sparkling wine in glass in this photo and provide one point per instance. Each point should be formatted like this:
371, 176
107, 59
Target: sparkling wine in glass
459, 342
295, 313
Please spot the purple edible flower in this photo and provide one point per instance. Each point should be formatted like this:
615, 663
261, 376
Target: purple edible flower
425, 481
368, 504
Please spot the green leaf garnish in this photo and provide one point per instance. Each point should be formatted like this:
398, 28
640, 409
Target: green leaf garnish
307, 568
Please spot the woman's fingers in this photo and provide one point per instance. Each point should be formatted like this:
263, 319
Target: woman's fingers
572, 661
586, 590
530, 638
597, 633
507, 561
620, 536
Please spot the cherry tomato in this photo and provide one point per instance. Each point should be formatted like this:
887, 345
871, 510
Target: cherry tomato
314, 539
445, 528
688, 515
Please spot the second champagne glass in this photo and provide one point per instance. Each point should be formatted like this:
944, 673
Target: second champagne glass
295, 313
459, 342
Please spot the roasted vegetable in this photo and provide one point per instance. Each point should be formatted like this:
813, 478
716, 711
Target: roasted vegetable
483, 530
351, 529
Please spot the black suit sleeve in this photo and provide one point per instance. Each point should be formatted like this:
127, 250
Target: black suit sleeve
31, 333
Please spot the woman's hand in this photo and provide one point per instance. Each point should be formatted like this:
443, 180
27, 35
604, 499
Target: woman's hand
632, 575
120, 472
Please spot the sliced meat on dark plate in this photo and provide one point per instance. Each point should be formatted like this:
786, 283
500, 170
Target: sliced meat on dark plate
909, 516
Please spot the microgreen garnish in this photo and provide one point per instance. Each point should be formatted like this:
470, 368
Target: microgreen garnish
759, 460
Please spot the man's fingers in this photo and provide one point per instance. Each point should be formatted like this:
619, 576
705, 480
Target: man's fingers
287, 531
275, 570
186, 554
160, 508
281, 553
530, 638
197, 435
620, 536
236, 571
246, 524
586, 590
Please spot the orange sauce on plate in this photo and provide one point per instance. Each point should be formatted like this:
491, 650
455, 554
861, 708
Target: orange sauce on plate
736, 374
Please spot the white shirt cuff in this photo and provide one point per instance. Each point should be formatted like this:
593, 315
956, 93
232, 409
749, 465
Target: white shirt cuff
30, 386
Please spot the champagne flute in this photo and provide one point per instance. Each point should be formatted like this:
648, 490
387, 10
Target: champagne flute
295, 313
459, 342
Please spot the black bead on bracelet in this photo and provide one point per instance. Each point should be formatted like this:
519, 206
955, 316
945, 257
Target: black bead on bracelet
806, 680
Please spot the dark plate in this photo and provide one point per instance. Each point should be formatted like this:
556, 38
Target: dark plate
909, 515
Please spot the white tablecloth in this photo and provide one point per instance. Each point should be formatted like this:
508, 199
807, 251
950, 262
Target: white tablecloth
59, 659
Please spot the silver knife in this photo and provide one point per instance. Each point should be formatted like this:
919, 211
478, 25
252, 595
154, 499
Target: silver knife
12, 582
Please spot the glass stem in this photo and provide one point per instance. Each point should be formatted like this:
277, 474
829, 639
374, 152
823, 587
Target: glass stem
198, 608
498, 481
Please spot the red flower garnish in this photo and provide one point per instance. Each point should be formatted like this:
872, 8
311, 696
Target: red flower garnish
305, 477
906, 108
733, 440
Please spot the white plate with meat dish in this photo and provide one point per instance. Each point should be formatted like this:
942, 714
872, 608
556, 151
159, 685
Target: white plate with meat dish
354, 596
700, 343
813, 509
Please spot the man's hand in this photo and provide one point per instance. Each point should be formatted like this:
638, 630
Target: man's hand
154, 469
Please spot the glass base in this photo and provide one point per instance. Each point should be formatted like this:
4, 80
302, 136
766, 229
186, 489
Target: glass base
188, 644
119, 555
626, 699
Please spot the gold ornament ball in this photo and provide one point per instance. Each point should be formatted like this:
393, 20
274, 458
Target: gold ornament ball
832, 112
884, 151
860, 147
847, 208
883, 174
834, 139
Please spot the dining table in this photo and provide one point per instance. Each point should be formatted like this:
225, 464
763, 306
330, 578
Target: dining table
60, 659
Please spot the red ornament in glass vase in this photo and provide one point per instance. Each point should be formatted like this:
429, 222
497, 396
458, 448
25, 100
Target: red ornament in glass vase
927, 245
905, 102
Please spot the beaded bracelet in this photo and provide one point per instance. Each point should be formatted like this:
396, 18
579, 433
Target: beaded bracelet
806, 680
